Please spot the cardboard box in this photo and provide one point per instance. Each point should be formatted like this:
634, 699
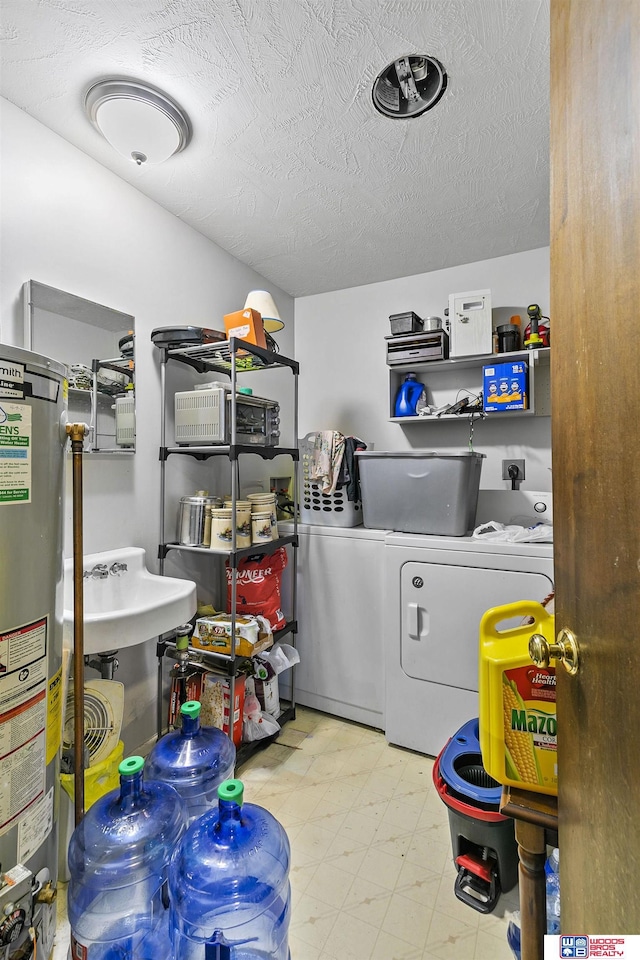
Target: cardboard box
504, 386
215, 704
214, 633
193, 689
246, 325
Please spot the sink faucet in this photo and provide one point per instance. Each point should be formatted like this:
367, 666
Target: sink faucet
117, 569
99, 572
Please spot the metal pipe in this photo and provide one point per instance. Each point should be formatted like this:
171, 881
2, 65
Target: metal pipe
77, 432
163, 441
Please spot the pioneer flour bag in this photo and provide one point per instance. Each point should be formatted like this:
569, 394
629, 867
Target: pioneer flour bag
258, 587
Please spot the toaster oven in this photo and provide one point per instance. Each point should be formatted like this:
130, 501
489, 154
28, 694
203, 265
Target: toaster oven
203, 416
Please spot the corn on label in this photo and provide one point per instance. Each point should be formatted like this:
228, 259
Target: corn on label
530, 725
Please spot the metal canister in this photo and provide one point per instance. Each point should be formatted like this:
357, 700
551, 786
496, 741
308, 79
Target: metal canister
192, 516
431, 324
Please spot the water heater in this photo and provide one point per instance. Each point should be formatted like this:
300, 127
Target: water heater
33, 401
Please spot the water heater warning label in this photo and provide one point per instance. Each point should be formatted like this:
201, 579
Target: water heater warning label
35, 827
22, 756
23, 663
15, 452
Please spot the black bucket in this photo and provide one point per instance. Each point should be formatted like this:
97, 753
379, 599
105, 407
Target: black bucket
483, 840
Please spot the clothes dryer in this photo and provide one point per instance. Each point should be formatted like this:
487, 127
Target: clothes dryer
437, 589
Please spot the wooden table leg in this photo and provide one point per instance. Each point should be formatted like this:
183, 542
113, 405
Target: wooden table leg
533, 921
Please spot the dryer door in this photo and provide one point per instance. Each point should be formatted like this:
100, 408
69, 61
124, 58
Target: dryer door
441, 609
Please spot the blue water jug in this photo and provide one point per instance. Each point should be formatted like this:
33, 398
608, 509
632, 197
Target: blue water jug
229, 884
194, 760
552, 885
118, 860
410, 398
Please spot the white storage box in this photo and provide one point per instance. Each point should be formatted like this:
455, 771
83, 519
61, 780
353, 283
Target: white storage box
420, 491
470, 324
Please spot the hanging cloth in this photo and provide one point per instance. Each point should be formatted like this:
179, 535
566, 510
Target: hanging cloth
351, 467
326, 459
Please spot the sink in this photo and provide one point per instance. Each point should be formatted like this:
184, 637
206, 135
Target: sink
127, 606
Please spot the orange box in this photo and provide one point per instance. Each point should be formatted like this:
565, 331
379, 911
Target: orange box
246, 325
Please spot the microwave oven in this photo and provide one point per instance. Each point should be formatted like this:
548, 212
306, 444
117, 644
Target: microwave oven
203, 416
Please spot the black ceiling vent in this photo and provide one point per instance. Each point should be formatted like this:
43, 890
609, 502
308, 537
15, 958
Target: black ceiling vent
409, 86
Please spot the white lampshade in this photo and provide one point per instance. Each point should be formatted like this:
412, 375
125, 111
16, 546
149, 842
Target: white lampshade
141, 123
262, 301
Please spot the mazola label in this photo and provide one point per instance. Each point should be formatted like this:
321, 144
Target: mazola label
530, 725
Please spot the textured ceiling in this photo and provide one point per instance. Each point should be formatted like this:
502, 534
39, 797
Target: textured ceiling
290, 167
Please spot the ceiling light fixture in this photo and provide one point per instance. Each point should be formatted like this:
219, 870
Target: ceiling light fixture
409, 86
139, 121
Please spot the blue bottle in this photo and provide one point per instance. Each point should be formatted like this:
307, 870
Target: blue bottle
513, 935
552, 885
411, 397
118, 860
229, 884
194, 760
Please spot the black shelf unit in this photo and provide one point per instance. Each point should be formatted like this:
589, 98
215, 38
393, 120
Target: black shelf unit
234, 555
229, 357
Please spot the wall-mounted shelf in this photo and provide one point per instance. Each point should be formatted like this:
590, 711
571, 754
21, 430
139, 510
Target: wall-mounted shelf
447, 381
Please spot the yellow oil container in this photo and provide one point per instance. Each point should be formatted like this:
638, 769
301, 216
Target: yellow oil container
517, 699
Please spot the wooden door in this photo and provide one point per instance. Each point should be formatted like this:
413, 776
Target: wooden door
595, 315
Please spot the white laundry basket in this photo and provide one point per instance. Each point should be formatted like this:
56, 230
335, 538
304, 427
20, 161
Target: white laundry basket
324, 509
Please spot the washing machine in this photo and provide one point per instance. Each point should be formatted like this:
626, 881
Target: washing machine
436, 590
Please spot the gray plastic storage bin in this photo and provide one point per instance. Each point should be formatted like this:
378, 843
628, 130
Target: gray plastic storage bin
420, 491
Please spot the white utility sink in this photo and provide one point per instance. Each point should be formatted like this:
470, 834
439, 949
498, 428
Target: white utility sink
124, 604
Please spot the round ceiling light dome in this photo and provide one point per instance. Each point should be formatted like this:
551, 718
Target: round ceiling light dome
409, 86
139, 121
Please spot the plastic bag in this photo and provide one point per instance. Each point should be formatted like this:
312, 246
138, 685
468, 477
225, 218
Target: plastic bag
267, 665
494, 532
251, 709
260, 729
256, 724
280, 657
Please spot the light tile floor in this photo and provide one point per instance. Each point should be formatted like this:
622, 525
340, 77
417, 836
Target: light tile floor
371, 860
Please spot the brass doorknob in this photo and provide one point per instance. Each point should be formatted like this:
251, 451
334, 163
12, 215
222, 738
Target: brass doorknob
564, 649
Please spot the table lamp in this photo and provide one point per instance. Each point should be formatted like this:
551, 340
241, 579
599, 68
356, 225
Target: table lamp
262, 301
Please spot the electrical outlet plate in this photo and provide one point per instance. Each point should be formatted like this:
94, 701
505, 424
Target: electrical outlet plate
517, 463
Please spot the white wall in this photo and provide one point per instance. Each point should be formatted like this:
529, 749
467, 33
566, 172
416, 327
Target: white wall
70, 223
344, 382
